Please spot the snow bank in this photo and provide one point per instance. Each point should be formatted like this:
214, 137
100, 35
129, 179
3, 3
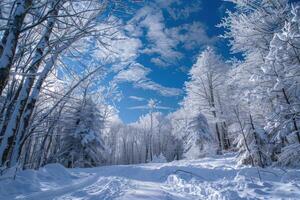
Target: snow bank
30, 181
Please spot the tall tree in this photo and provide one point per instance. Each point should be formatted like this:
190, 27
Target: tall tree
204, 89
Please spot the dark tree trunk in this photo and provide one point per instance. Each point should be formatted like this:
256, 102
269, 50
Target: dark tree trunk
293, 118
256, 142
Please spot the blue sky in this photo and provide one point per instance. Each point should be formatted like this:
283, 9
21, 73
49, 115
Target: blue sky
164, 39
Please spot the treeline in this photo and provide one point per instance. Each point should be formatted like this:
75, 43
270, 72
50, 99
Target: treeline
249, 104
149, 139
53, 108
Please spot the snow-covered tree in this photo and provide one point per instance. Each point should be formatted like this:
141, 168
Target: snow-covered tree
34, 43
283, 73
263, 85
204, 93
150, 136
201, 136
82, 142
194, 133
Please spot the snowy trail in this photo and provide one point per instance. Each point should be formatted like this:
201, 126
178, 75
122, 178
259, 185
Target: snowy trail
209, 178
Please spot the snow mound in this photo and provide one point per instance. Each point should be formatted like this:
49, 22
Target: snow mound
56, 171
30, 181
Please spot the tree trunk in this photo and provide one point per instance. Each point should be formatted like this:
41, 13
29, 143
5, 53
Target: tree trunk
18, 123
244, 136
226, 138
212, 104
256, 142
293, 118
10, 39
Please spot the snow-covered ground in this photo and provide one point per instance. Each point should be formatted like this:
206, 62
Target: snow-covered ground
208, 178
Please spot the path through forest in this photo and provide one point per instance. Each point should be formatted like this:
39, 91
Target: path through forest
208, 178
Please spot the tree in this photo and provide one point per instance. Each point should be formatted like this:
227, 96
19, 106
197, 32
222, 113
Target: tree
193, 132
82, 140
203, 92
33, 45
10, 38
265, 78
283, 73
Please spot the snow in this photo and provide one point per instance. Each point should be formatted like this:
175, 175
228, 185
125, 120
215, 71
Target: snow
215, 177
159, 159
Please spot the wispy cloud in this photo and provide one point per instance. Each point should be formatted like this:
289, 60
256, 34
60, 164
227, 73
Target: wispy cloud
159, 42
116, 45
137, 75
177, 11
134, 73
164, 91
137, 98
191, 36
146, 107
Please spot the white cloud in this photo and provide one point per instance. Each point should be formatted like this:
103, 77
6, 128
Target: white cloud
159, 62
143, 107
192, 35
159, 41
137, 75
183, 69
137, 98
167, 3
146, 107
177, 11
122, 49
164, 42
165, 91
115, 45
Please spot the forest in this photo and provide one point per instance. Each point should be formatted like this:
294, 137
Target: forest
62, 63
